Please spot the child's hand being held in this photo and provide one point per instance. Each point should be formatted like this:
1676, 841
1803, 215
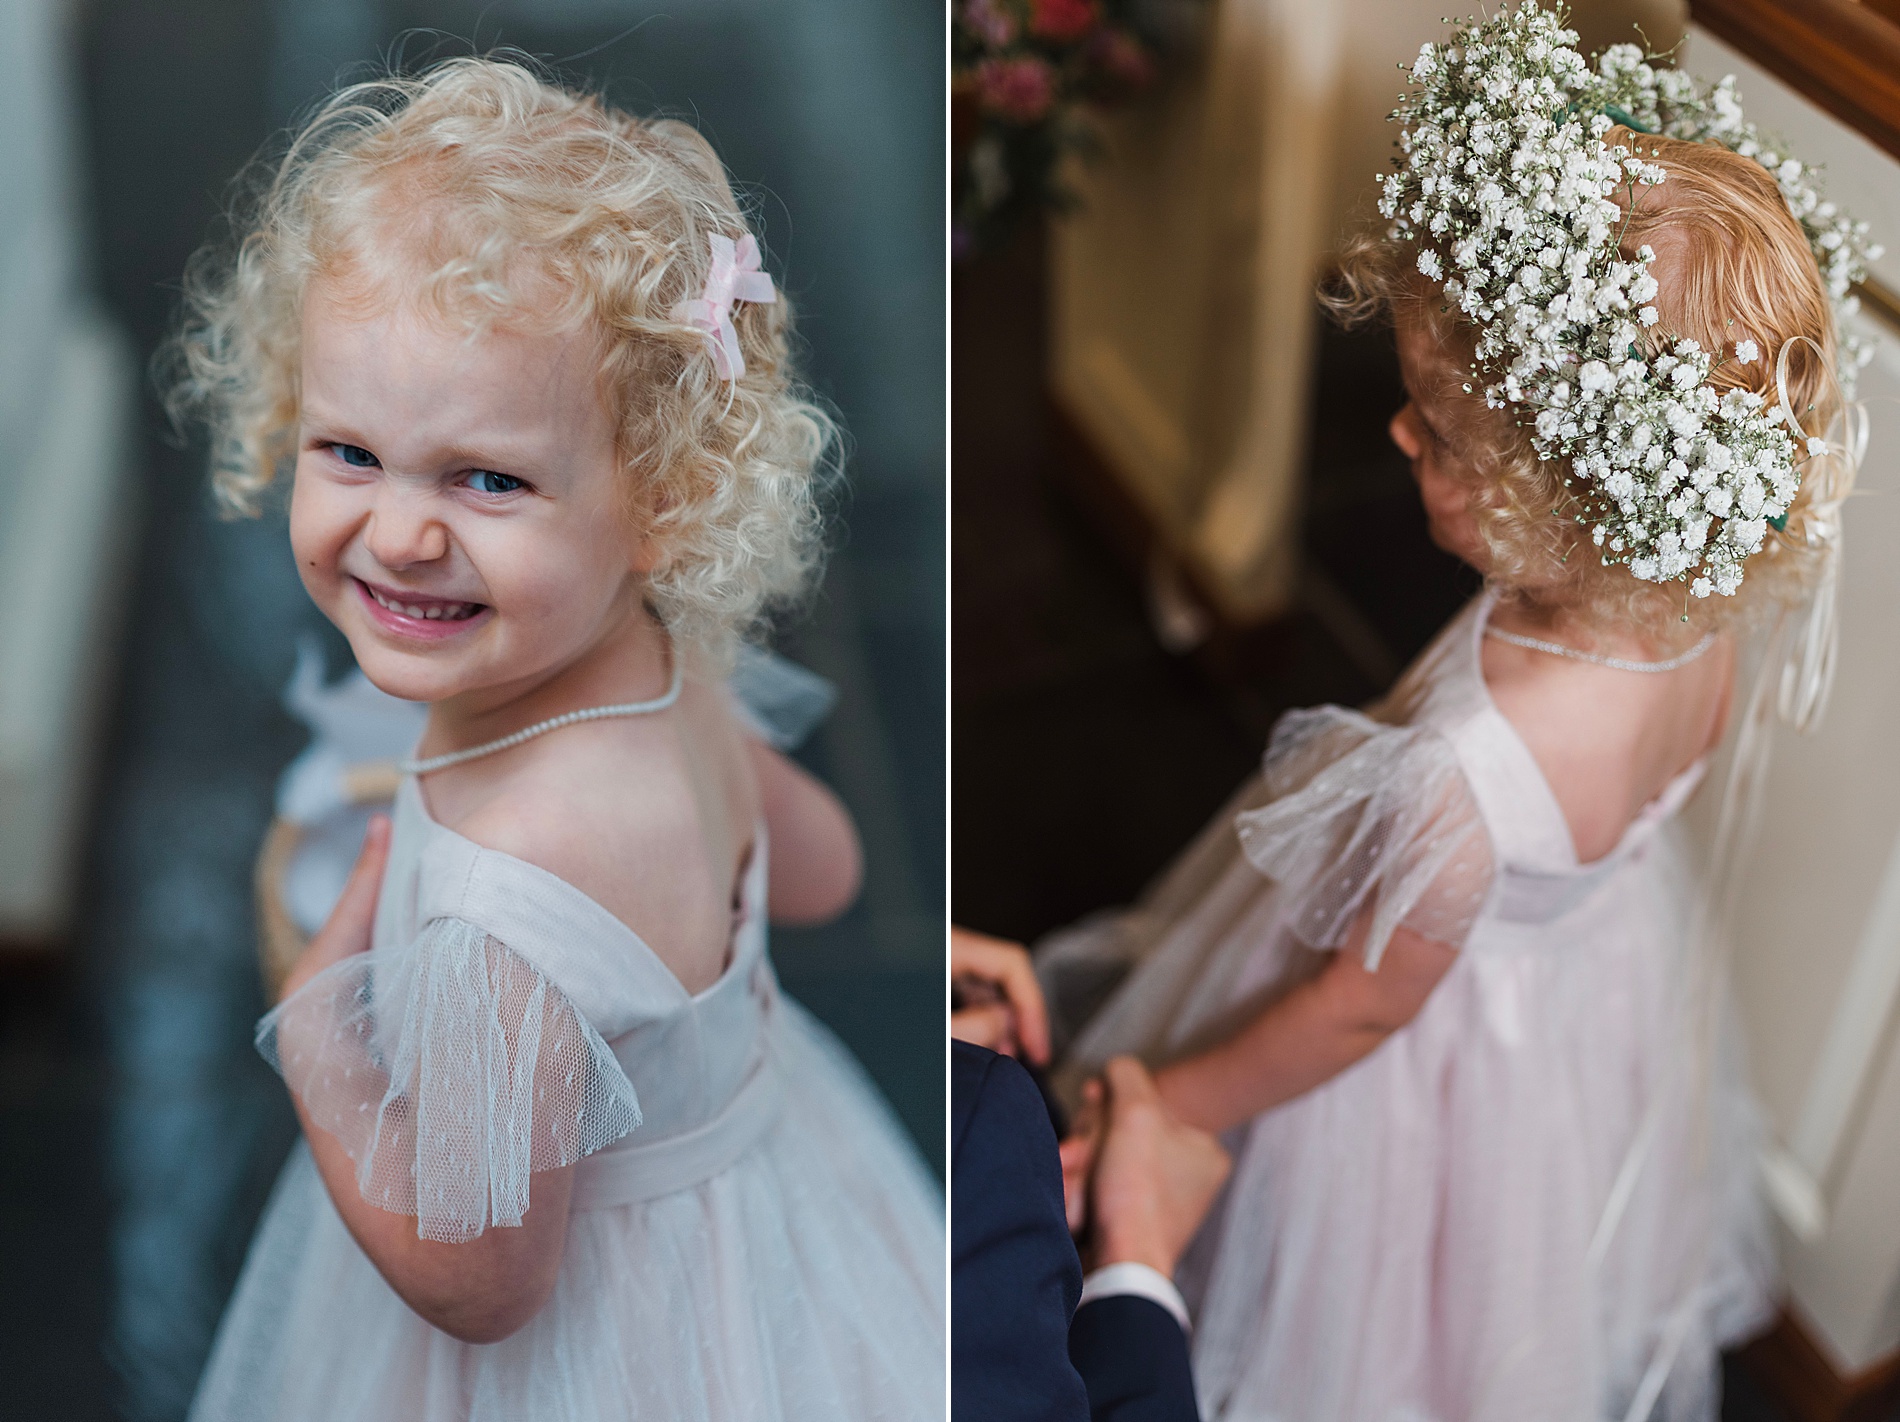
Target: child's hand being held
1078, 1151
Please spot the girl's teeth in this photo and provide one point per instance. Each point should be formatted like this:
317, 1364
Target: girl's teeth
434, 612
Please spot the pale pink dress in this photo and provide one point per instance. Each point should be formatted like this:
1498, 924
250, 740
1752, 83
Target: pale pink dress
1431, 1236
752, 1236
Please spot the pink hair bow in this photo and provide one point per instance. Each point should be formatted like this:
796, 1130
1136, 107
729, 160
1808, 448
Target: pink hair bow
735, 276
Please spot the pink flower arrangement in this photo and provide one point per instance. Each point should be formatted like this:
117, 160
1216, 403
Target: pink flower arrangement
990, 22
1029, 76
1020, 90
1122, 58
1063, 21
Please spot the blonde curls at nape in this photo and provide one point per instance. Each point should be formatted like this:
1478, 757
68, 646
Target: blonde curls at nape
482, 194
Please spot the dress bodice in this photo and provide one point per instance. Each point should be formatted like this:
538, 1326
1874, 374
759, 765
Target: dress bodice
1498, 1211
1539, 876
701, 1063
750, 1233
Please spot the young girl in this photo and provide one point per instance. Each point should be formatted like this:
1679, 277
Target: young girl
1491, 1163
568, 1151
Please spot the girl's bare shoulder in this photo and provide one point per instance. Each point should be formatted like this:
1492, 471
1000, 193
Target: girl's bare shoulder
646, 816
1608, 741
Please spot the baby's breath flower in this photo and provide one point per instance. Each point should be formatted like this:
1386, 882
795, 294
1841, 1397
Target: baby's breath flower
1508, 191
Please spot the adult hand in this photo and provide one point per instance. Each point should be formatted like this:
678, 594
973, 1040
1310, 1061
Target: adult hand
1078, 1150
1147, 1177
352, 922
1002, 1001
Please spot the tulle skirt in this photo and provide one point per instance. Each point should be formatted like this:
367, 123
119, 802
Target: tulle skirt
1428, 1237
804, 1282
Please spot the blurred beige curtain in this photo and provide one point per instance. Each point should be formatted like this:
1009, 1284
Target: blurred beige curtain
66, 389
1182, 320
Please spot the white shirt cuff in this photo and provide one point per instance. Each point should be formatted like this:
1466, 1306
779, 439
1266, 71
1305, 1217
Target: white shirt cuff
1140, 1280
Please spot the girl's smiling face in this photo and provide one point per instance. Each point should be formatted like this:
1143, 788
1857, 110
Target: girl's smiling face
456, 507
1420, 430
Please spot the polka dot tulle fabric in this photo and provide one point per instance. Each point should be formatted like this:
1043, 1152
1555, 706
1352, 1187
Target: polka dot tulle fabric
1428, 1234
1368, 817
451, 1074
755, 1237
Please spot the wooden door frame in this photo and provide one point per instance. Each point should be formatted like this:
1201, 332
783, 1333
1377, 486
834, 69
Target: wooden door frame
1843, 56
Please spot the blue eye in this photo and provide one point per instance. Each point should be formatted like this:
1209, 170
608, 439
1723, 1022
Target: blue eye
487, 481
355, 456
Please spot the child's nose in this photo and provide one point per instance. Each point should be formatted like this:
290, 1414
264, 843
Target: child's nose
404, 531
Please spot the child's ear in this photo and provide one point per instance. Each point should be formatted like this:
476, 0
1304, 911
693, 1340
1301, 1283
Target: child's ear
645, 553
646, 550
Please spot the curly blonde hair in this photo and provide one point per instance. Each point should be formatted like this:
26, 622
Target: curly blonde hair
492, 195
1732, 264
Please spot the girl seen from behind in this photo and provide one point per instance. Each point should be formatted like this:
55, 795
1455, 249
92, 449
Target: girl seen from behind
1450, 988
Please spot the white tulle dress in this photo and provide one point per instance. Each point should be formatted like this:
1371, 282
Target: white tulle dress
1530, 1204
752, 1237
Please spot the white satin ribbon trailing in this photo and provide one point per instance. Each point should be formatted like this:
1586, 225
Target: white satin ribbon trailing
637, 1171
1807, 676
735, 276
1798, 663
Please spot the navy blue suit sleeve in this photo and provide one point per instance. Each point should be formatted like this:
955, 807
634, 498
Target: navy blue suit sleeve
1134, 1358
1015, 1277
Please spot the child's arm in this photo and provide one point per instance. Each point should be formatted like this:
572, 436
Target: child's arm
817, 864
479, 1291
1310, 1035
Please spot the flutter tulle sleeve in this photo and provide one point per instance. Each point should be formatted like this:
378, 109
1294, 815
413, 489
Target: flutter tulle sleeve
451, 1070
1368, 818
776, 699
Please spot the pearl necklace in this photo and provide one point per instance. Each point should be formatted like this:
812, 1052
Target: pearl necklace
1618, 663
553, 723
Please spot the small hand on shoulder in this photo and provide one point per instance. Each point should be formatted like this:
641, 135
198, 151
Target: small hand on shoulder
347, 931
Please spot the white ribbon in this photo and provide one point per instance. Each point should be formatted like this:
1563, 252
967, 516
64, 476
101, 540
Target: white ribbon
1807, 675
735, 276
1804, 642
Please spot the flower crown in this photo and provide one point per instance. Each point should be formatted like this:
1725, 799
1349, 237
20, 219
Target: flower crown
1505, 188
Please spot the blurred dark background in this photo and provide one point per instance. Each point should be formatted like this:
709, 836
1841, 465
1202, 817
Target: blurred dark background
1087, 753
139, 1131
